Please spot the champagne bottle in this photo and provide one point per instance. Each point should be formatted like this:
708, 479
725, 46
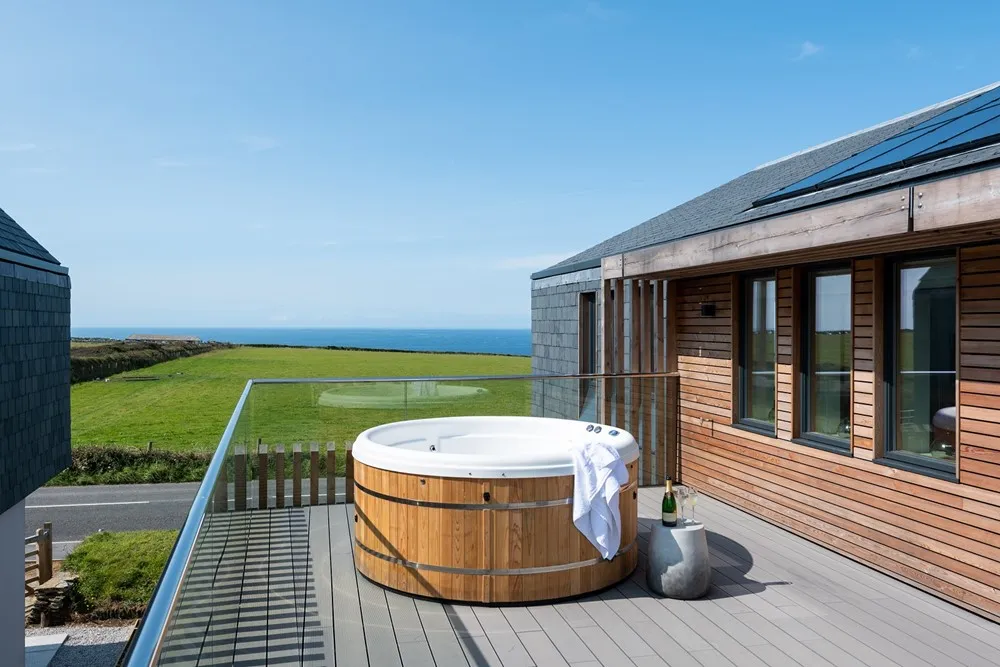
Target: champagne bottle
669, 506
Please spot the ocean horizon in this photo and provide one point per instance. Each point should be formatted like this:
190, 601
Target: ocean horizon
488, 341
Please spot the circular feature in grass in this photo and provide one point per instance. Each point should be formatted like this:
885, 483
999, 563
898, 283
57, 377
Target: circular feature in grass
396, 394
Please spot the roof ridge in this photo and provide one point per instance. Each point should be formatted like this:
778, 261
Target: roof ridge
932, 107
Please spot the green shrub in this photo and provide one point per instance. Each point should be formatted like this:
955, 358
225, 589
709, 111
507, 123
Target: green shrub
118, 571
129, 465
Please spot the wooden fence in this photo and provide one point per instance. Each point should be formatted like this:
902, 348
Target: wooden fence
38, 559
270, 462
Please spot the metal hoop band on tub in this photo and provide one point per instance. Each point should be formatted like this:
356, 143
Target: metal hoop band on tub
477, 571
476, 506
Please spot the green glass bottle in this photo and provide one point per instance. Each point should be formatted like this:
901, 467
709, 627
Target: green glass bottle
669, 506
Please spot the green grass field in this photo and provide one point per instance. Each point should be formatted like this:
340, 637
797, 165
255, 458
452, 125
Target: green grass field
188, 407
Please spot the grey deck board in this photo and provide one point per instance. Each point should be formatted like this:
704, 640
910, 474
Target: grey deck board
280, 587
348, 629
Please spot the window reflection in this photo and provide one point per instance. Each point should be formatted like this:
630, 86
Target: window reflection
760, 350
829, 355
925, 359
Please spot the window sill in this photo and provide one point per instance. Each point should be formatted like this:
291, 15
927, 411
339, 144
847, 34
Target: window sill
755, 427
918, 469
825, 446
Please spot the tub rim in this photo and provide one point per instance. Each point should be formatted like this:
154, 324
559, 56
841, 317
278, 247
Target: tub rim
554, 462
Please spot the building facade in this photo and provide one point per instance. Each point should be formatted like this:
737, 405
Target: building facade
34, 401
832, 324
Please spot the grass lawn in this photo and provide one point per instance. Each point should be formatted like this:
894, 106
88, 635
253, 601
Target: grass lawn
188, 408
118, 571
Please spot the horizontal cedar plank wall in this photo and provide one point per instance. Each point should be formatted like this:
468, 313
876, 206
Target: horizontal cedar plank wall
979, 366
940, 535
786, 343
863, 371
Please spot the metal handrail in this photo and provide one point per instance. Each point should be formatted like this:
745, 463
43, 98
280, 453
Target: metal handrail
461, 378
147, 641
148, 638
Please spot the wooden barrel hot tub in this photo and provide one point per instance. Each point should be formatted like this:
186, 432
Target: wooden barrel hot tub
494, 524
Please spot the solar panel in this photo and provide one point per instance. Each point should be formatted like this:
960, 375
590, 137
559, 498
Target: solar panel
972, 123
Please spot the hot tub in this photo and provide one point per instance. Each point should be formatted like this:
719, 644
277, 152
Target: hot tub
480, 509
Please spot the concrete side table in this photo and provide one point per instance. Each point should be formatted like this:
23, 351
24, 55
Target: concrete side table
678, 565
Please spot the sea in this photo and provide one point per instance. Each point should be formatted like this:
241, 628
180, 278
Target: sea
491, 341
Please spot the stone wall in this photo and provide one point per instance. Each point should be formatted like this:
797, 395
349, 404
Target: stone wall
34, 379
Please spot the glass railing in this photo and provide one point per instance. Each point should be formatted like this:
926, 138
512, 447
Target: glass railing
294, 433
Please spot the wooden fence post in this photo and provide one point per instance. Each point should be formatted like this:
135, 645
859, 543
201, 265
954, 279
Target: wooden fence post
222, 491
297, 474
349, 474
262, 476
45, 553
279, 476
314, 473
240, 481
331, 473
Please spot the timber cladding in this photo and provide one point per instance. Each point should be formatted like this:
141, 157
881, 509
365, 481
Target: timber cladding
458, 539
941, 535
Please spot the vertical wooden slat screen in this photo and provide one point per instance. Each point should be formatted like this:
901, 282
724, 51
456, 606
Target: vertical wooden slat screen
863, 363
659, 366
635, 362
672, 308
788, 333
979, 367
608, 351
240, 477
620, 352
331, 473
297, 474
644, 385
314, 473
349, 473
262, 476
279, 476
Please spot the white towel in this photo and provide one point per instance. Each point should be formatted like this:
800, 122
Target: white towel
598, 472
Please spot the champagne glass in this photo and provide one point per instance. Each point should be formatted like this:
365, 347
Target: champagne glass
681, 493
693, 497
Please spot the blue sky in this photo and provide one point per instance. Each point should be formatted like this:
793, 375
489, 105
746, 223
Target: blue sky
404, 163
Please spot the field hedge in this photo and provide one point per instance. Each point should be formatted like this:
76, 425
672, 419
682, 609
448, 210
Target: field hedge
129, 465
93, 362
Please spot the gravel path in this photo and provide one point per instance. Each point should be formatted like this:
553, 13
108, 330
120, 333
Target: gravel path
87, 645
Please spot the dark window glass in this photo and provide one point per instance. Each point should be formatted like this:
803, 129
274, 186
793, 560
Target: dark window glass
760, 350
923, 381
827, 386
588, 355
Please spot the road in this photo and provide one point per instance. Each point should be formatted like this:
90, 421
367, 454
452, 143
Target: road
78, 511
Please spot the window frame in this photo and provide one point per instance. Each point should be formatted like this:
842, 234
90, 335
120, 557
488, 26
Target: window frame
588, 353
891, 307
745, 324
808, 306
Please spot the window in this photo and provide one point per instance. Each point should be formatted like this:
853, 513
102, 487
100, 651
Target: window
826, 368
588, 355
759, 342
920, 385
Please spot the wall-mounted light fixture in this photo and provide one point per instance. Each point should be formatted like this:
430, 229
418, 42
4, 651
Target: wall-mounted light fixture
708, 310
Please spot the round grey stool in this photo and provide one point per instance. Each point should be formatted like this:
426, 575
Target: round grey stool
678, 564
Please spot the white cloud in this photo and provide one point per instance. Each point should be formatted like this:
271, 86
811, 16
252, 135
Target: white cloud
17, 148
808, 49
167, 162
257, 143
531, 262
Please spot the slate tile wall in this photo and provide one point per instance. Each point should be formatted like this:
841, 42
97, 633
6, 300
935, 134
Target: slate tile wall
34, 379
555, 313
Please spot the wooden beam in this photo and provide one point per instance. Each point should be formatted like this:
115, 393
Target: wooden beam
646, 354
635, 355
797, 318
607, 350
963, 200
620, 351
659, 366
861, 219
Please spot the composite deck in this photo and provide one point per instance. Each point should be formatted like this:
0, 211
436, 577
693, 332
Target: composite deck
278, 587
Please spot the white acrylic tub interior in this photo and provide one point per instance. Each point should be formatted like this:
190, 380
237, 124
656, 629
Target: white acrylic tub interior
486, 447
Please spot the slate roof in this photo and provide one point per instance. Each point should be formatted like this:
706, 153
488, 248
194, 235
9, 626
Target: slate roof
15, 239
730, 204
